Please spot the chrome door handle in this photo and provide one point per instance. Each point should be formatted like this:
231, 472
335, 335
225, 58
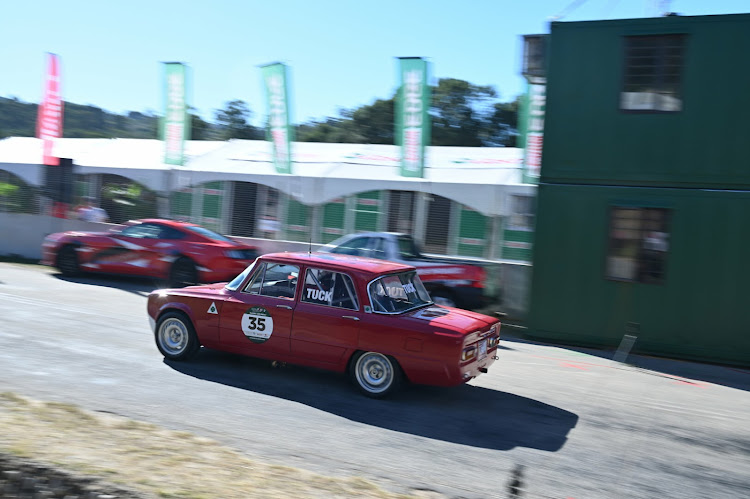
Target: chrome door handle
284, 306
352, 317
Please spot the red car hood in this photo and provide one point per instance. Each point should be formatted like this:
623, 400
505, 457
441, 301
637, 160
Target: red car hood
452, 318
202, 291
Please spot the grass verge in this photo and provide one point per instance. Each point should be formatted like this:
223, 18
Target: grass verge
152, 460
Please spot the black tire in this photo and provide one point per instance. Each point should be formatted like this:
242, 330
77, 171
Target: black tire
376, 375
67, 261
183, 273
444, 297
175, 336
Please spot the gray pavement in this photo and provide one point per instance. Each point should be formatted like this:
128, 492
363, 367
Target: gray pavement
562, 422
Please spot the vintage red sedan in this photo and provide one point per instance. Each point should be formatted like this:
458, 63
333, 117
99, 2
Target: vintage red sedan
372, 319
177, 252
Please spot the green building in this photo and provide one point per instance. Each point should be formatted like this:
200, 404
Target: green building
643, 212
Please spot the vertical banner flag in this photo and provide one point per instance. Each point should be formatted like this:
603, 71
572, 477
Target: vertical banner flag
175, 127
412, 117
534, 129
50, 113
277, 98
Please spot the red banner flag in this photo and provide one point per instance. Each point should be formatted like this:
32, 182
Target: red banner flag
49, 119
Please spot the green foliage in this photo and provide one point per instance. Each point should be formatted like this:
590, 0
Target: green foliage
16, 196
459, 112
462, 114
17, 118
233, 122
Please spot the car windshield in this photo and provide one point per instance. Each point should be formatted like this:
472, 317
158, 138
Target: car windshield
398, 293
408, 248
208, 233
235, 283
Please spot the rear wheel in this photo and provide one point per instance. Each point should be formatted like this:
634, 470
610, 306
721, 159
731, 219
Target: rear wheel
376, 375
67, 261
183, 273
175, 336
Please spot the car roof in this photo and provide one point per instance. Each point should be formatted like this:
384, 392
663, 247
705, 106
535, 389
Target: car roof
369, 266
374, 234
163, 221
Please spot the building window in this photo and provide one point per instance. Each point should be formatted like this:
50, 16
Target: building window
653, 73
638, 244
522, 213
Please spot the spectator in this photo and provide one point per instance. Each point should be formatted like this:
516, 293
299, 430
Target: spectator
89, 212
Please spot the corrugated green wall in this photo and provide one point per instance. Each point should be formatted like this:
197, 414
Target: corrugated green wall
588, 139
701, 311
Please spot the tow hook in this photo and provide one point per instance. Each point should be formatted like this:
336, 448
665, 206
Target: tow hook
495, 357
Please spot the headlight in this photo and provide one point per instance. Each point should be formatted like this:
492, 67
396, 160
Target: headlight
237, 254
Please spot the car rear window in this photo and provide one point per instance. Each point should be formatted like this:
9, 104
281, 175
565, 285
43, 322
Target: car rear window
208, 233
398, 293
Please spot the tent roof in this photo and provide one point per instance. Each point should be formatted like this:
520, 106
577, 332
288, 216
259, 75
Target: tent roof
477, 177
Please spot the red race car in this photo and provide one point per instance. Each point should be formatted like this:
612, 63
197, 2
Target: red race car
177, 252
370, 318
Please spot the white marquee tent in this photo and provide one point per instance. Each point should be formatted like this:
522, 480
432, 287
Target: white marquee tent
481, 178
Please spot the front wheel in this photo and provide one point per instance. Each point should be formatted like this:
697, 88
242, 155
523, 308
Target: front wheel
376, 375
67, 261
175, 336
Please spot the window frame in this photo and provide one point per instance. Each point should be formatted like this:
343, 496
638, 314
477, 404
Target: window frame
639, 260
352, 289
529, 216
261, 272
660, 56
376, 280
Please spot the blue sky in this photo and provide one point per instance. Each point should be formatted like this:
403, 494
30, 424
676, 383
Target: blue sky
341, 53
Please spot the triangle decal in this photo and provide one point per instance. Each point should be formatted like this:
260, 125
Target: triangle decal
212, 309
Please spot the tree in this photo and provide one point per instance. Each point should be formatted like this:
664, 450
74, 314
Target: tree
199, 128
375, 122
459, 112
503, 126
233, 121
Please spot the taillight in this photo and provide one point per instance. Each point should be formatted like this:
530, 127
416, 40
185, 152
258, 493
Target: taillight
468, 353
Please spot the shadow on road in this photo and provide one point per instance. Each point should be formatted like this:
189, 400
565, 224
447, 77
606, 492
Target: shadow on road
467, 415
138, 285
680, 370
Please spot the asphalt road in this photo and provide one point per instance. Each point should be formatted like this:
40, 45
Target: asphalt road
563, 423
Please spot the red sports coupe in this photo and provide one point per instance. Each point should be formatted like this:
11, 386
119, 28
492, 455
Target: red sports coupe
178, 252
370, 318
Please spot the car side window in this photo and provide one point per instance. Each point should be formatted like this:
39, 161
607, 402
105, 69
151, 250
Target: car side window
277, 280
356, 247
171, 233
142, 231
378, 248
333, 289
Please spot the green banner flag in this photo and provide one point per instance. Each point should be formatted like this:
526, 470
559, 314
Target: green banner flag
412, 117
175, 125
277, 98
532, 128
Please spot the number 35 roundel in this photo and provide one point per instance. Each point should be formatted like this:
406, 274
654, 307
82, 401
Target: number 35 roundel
257, 324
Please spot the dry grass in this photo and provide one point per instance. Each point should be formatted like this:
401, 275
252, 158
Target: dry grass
150, 459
